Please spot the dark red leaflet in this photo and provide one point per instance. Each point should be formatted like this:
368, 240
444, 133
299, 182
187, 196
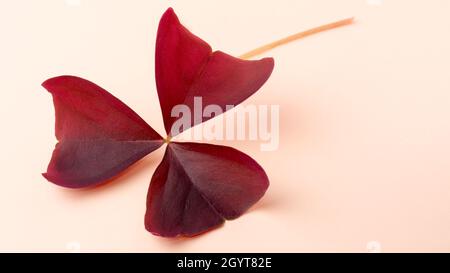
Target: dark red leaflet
99, 136
186, 67
197, 186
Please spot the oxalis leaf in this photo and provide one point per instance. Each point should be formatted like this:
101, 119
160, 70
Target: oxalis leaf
197, 186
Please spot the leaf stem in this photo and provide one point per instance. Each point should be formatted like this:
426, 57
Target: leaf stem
296, 36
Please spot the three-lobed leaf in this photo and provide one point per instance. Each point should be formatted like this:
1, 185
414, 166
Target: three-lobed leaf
197, 186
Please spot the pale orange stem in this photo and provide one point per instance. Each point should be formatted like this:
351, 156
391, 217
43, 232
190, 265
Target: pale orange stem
294, 37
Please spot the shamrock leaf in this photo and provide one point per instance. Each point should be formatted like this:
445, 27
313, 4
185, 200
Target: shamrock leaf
197, 186
99, 136
186, 67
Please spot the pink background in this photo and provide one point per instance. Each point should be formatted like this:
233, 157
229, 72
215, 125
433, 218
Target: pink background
364, 157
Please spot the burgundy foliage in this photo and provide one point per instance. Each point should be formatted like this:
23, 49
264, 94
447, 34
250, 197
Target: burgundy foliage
197, 186
186, 67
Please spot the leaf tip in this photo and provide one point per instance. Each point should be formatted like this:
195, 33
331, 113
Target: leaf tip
169, 14
47, 83
270, 62
50, 83
45, 175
